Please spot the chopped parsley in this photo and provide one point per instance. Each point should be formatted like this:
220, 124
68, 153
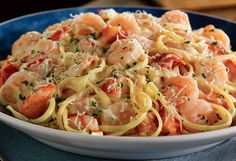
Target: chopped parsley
193, 75
25, 82
22, 61
128, 97
158, 94
59, 99
32, 51
73, 40
105, 49
89, 131
125, 47
121, 85
212, 30
203, 75
97, 112
214, 43
77, 50
22, 97
134, 63
26, 69
221, 96
94, 104
116, 74
93, 36
203, 117
187, 42
99, 81
207, 121
135, 71
127, 66
202, 64
122, 58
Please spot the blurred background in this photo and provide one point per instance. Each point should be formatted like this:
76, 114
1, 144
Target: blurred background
221, 8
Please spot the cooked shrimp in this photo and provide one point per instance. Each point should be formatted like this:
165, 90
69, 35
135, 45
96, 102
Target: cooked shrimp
36, 104
86, 24
112, 87
217, 34
198, 111
82, 114
23, 80
117, 113
48, 47
127, 22
41, 65
148, 126
56, 31
111, 34
171, 126
83, 105
177, 17
107, 14
83, 122
83, 65
213, 71
24, 42
231, 65
179, 89
124, 52
149, 25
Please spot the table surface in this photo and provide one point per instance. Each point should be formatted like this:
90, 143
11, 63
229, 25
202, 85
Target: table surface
228, 13
16, 146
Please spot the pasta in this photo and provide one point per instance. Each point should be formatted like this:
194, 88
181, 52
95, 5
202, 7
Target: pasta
122, 74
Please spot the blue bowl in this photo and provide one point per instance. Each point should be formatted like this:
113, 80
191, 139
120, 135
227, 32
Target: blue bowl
12, 29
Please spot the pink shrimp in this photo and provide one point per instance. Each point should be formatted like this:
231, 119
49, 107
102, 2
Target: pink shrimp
178, 17
86, 24
127, 22
148, 126
219, 35
179, 89
125, 51
198, 111
83, 114
213, 71
231, 65
27, 40
117, 113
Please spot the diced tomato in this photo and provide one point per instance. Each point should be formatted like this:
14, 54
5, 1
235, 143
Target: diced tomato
36, 103
111, 87
167, 61
82, 122
170, 61
217, 99
57, 35
216, 49
111, 33
37, 61
8, 68
84, 32
148, 126
231, 66
170, 124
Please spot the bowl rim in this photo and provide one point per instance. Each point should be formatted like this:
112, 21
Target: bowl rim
196, 137
220, 133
